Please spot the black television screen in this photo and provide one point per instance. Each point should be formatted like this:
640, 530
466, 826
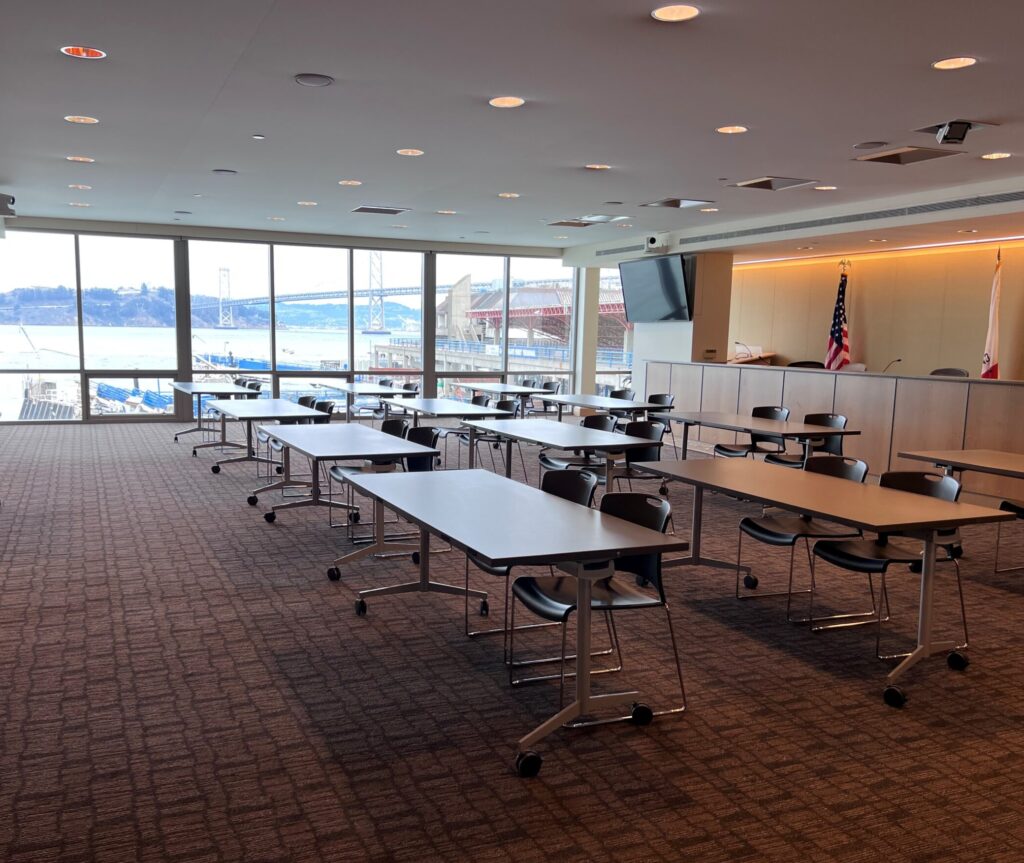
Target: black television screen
657, 289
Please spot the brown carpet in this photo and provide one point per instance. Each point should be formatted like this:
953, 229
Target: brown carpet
179, 681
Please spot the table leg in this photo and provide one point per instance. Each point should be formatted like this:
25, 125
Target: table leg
222, 441
348, 407
695, 558
250, 454
508, 458
472, 447
686, 441
198, 427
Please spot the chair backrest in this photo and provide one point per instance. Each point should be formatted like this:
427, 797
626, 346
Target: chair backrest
480, 401
550, 388
385, 382
575, 485
395, 426
806, 364
649, 431
645, 510
832, 444
622, 394
529, 382
510, 405
326, 407
255, 386
951, 373
424, 436
922, 482
306, 401
837, 466
599, 422
769, 412
666, 399
412, 389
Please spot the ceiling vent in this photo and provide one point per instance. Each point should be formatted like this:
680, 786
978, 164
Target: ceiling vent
381, 211
587, 221
773, 184
677, 203
907, 155
570, 223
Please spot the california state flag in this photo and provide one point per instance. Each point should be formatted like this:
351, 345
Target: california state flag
990, 359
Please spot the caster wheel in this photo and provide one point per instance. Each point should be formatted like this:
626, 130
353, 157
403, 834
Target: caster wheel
270, 517
528, 764
194, 453
894, 696
485, 609
175, 438
360, 608
915, 566
437, 461
334, 574
252, 500
956, 551
641, 714
215, 468
957, 661
663, 490
416, 558
354, 517
279, 469
750, 581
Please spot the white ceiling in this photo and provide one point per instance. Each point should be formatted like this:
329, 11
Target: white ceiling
187, 83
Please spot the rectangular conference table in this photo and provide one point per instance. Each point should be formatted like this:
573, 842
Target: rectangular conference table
504, 523
803, 432
868, 507
556, 436
509, 391
330, 442
250, 411
598, 403
1009, 464
198, 389
441, 408
351, 390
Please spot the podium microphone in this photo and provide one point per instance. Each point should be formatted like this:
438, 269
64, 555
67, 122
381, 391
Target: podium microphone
891, 364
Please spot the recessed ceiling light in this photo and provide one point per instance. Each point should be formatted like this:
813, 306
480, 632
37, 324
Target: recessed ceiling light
86, 159
313, 79
869, 145
78, 204
182, 212
597, 166
306, 203
81, 187
993, 156
275, 218
399, 226
508, 194
81, 52
197, 195
675, 13
709, 209
445, 212
560, 237
804, 248
506, 102
81, 120
954, 63
410, 151
259, 137
825, 188
731, 130
350, 182
614, 203
225, 172
968, 231
878, 241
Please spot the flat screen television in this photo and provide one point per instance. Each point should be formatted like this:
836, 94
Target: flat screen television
658, 288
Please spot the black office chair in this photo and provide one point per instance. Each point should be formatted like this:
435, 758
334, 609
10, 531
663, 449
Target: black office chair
1018, 510
806, 364
256, 387
424, 436
396, 426
547, 462
828, 445
950, 373
624, 470
553, 598
551, 388
872, 557
326, 407
785, 529
628, 395
576, 486
263, 437
760, 444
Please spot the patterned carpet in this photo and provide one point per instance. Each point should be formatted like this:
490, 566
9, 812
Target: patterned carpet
180, 681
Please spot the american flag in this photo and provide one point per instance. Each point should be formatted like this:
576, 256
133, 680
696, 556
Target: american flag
838, 354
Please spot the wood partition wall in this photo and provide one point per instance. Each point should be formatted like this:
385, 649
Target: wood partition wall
892, 413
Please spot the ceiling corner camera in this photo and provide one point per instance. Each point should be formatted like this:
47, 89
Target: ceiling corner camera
953, 132
7, 206
654, 244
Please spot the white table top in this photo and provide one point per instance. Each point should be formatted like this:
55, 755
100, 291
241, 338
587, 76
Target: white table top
344, 441
747, 423
446, 408
867, 506
600, 403
364, 389
981, 460
261, 409
560, 435
209, 388
505, 389
507, 522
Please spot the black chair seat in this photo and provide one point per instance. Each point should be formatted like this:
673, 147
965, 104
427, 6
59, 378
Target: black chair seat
550, 462
497, 571
1010, 506
554, 597
742, 450
866, 555
785, 460
787, 529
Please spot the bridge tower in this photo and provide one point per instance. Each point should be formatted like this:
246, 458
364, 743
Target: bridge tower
225, 316
377, 324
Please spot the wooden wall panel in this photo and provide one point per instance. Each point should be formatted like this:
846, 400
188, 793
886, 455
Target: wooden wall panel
720, 392
994, 421
685, 385
759, 385
658, 376
930, 414
867, 402
805, 392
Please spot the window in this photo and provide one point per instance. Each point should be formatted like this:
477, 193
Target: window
614, 334
230, 286
540, 315
470, 313
388, 303
38, 302
311, 308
